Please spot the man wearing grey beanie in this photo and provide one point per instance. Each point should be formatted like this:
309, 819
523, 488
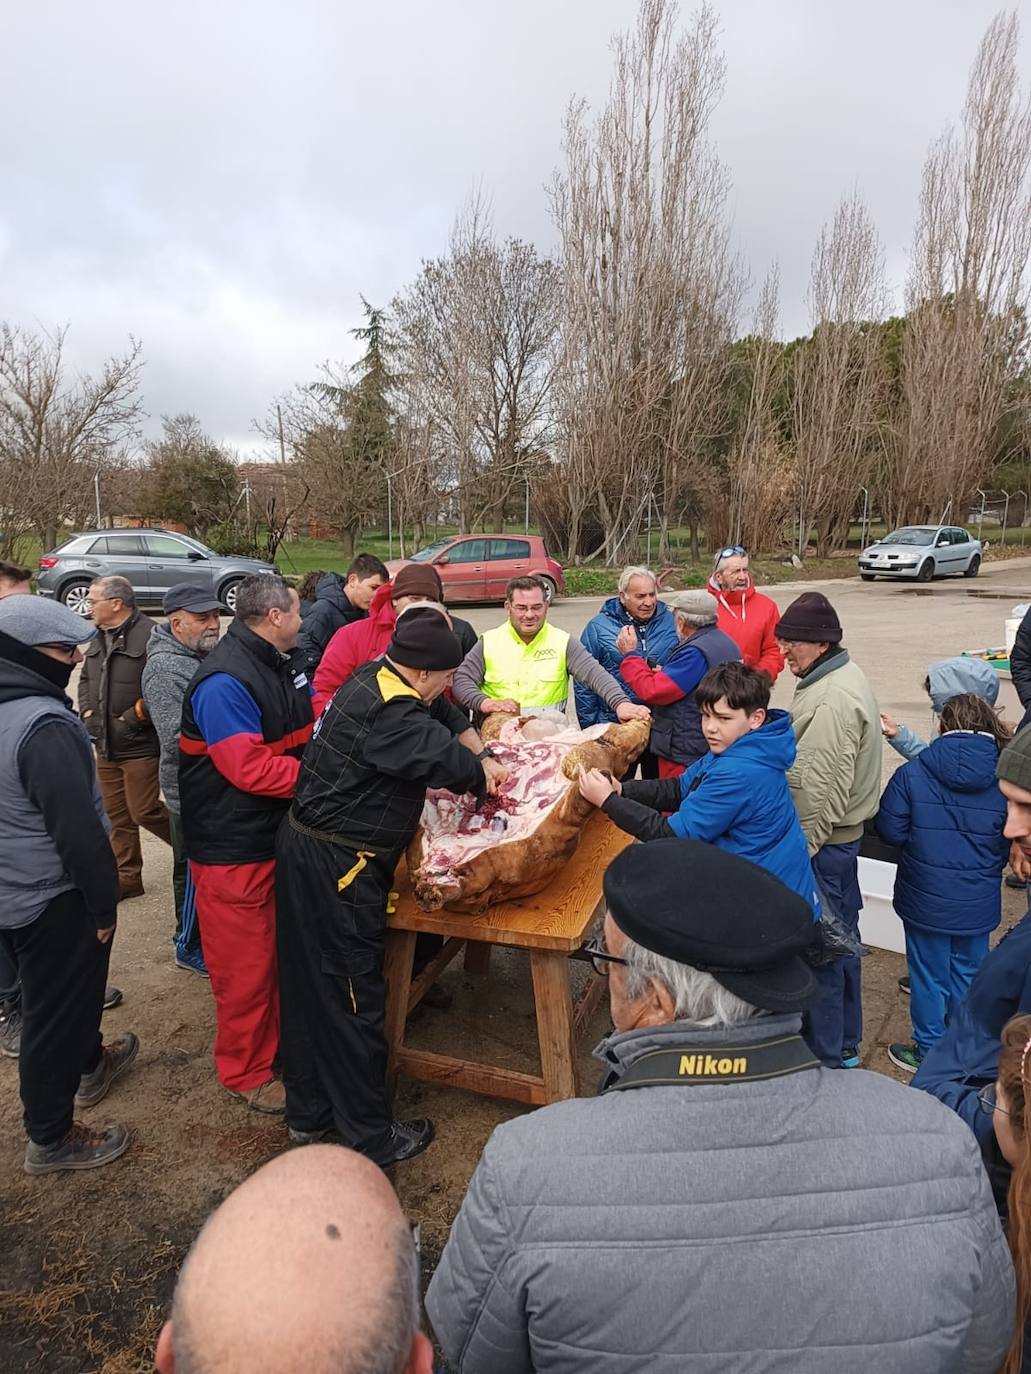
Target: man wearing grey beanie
58, 889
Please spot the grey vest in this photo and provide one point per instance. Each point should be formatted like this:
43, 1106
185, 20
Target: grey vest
31, 871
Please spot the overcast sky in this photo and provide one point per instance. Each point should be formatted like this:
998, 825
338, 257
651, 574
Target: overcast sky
222, 179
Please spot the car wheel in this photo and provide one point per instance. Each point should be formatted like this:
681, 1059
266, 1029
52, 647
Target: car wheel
227, 594
550, 590
74, 596
866, 577
926, 570
974, 566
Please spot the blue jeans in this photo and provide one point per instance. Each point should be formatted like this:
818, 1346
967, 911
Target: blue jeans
834, 1025
941, 968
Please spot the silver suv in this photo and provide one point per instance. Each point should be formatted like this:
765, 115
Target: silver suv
152, 560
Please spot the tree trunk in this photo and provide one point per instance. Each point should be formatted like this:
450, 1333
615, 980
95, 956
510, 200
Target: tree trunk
347, 535
696, 555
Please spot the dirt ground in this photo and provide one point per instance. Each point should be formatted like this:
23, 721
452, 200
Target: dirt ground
88, 1261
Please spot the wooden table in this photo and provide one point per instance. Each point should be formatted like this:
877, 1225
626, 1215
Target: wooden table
551, 926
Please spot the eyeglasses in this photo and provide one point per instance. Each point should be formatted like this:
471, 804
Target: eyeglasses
988, 1104
599, 956
731, 551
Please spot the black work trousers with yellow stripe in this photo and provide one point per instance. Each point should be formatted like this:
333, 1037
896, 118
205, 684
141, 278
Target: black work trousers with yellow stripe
331, 903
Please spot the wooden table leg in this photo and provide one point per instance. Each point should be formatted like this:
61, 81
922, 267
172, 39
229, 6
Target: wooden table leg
397, 973
477, 956
554, 1002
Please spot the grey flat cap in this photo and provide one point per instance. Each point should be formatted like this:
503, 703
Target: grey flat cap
34, 620
697, 604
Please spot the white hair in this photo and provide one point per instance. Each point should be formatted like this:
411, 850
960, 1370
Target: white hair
426, 606
697, 996
628, 574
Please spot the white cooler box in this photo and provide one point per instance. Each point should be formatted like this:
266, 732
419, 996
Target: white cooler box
878, 924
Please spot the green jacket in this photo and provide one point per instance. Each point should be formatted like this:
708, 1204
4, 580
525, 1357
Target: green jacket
836, 778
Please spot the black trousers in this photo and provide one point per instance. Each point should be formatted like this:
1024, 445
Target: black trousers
331, 903
63, 969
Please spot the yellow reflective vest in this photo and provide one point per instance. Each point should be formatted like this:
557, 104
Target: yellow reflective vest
533, 674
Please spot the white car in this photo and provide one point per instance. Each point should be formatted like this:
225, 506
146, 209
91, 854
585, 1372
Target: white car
922, 552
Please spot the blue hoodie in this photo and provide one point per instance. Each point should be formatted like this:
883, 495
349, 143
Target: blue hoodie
948, 678
945, 812
657, 639
740, 801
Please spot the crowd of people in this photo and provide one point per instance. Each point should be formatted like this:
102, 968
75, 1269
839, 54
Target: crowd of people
750, 1197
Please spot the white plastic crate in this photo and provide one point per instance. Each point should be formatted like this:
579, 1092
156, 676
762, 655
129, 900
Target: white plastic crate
879, 924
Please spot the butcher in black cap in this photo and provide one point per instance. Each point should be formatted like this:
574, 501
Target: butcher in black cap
387, 734
710, 1206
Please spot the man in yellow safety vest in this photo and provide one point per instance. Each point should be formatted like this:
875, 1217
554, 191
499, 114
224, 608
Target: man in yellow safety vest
524, 665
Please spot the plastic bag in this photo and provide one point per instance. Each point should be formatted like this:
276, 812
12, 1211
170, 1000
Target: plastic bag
832, 939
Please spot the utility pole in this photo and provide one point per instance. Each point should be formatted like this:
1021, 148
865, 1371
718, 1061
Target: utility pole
282, 443
96, 494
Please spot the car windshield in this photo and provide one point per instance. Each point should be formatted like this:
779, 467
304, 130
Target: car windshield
912, 534
430, 551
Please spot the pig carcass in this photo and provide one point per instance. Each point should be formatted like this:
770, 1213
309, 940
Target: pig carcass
516, 842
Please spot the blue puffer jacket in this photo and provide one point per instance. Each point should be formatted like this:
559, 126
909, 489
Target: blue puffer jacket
740, 801
657, 639
945, 812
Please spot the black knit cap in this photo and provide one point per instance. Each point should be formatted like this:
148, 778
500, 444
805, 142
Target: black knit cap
718, 913
423, 639
811, 619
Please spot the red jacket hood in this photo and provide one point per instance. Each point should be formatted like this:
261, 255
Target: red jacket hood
381, 611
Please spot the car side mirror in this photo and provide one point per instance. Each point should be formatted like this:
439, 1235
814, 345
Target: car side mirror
941, 541
195, 556
442, 560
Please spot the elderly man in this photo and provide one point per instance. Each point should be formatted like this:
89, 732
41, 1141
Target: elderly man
58, 890
246, 719
711, 1207
677, 740
638, 606
113, 710
746, 615
175, 651
338, 601
836, 784
524, 665
14, 580
309, 1267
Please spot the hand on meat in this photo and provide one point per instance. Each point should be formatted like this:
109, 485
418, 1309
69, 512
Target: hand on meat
626, 710
488, 706
596, 786
495, 773
626, 640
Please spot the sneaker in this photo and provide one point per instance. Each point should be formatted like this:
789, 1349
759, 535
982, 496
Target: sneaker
850, 1059
10, 1029
192, 960
904, 985
268, 1098
80, 1149
115, 1058
112, 998
407, 1139
905, 1057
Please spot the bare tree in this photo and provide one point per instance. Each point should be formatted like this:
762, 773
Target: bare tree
837, 376
650, 289
58, 432
966, 336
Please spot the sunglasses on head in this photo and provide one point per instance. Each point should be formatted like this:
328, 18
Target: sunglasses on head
731, 551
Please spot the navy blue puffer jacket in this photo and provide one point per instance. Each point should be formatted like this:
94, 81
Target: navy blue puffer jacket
945, 812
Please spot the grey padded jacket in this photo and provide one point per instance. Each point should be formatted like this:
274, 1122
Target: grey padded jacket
822, 1221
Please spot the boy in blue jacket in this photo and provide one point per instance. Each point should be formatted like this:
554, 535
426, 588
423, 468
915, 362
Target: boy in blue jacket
736, 796
946, 814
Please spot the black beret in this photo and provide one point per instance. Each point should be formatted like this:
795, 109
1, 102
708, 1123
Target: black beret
718, 913
424, 639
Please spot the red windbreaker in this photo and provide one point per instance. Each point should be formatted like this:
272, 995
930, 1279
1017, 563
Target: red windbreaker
748, 617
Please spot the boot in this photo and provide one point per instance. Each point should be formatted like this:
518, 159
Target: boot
268, 1098
80, 1149
10, 1029
115, 1058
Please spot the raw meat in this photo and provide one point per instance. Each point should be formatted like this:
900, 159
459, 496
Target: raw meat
466, 859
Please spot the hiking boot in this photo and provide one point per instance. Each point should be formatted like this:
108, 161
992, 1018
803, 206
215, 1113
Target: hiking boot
112, 997
904, 985
10, 1029
192, 960
115, 1058
407, 1139
268, 1098
905, 1057
80, 1149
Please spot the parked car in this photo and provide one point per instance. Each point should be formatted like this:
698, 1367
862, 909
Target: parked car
922, 552
478, 567
152, 560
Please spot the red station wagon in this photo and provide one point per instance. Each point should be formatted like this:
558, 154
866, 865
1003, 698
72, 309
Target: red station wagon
477, 567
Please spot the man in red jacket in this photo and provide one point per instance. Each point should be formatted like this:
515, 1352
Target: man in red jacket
745, 614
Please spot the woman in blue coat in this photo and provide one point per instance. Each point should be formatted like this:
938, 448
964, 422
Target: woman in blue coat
946, 814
